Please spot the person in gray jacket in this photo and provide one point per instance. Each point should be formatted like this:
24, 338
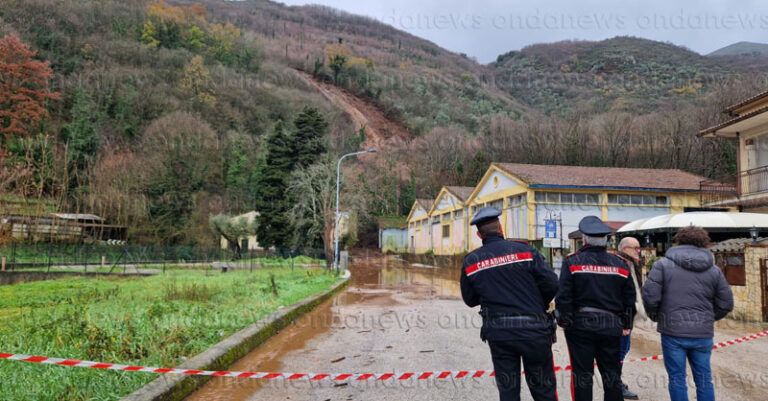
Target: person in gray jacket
685, 293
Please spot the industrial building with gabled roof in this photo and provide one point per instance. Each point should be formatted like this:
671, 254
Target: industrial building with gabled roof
419, 238
528, 195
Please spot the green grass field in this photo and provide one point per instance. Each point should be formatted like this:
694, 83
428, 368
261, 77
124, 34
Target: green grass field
154, 321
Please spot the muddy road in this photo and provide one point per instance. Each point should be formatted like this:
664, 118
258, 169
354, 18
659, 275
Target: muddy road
396, 317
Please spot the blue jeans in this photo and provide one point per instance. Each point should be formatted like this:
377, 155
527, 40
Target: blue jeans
697, 351
626, 343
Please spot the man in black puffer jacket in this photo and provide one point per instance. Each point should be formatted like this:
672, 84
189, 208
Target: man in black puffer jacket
686, 293
594, 307
514, 285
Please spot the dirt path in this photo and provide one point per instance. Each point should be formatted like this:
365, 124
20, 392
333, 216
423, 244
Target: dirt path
379, 130
400, 318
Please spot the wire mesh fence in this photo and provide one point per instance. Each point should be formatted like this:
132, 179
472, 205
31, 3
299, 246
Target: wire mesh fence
48, 256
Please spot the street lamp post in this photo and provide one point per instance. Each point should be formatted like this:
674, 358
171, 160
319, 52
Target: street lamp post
336, 223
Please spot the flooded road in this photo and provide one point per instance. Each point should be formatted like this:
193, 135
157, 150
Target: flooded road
396, 317
375, 282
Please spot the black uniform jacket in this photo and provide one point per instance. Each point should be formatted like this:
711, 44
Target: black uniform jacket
594, 279
514, 286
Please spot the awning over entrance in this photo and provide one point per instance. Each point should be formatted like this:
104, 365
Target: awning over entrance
711, 221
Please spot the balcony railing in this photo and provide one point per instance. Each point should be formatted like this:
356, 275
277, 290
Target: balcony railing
754, 181
733, 190
717, 191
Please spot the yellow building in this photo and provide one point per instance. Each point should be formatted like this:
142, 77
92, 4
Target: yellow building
529, 194
419, 237
448, 215
749, 125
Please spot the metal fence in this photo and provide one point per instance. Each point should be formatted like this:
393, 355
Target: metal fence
91, 256
716, 191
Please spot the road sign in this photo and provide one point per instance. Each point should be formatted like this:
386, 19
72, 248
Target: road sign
550, 228
552, 243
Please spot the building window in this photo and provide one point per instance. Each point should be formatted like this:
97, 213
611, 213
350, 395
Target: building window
732, 265
515, 201
553, 197
626, 199
458, 214
499, 204
593, 199
567, 197
446, 231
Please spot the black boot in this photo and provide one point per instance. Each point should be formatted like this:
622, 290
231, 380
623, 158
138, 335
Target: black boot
628, 395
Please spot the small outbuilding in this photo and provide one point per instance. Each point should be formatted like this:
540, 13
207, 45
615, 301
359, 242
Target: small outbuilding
393, 234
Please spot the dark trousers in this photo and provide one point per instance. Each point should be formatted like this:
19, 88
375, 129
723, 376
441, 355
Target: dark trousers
538, 365
585, 349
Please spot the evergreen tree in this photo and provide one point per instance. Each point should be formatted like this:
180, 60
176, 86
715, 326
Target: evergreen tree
80, 135
309, 142
272, 202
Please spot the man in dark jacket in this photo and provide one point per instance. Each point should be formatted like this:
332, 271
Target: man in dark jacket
629, 250
514, 285
686, 293
594, 307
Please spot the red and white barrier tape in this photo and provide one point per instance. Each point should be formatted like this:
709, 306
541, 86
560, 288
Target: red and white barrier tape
340, 377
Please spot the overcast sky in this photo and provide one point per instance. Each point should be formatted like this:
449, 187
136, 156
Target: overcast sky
486, 28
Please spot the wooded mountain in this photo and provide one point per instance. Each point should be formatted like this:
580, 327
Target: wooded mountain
166, 106
742, 49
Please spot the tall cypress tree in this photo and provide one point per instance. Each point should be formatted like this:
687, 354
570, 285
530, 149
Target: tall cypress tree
309, 146
309, 142
272, 202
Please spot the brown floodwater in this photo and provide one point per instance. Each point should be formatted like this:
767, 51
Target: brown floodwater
374, 281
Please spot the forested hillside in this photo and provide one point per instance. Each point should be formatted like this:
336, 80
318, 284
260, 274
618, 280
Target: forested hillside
161, 114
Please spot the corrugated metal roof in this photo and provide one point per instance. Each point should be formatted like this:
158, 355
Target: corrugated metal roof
601, 177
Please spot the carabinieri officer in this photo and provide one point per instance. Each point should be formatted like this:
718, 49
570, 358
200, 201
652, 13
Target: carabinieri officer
513, 285
594, 306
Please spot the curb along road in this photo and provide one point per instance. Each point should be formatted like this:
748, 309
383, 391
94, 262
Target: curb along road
229, 350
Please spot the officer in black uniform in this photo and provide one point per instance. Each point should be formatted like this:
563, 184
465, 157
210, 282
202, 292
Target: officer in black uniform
513, 285
594, 306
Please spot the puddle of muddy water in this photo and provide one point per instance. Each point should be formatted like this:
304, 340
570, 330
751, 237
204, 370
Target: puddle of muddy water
374, 282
